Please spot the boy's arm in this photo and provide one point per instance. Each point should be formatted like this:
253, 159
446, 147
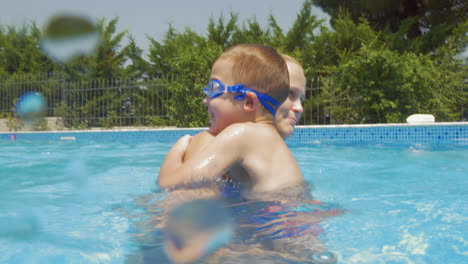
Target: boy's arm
211, 162
182, 151
174, 158
197, 143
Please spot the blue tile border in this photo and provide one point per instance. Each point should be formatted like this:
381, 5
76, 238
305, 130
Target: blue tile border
130, 135
442, 133
437, 133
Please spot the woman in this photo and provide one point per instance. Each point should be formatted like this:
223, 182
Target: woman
289, 113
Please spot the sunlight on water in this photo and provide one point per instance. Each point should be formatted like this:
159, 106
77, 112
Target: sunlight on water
67, 36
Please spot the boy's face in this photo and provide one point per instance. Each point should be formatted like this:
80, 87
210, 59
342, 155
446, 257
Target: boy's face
223, 110
289, 113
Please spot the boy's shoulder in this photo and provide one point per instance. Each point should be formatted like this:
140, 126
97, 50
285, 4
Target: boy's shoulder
198, 142
203, 135
249, 130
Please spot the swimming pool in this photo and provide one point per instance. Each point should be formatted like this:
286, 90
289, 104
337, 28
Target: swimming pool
70, 199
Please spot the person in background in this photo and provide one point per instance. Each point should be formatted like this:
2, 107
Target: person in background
290, 111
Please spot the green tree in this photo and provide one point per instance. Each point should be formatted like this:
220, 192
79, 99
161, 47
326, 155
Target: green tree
96, 77
189, 57
19, 52
428, 22
221, 33
301, 34
337, 45
110, 57
136, 67
252, 32
108, 60
383, 86
380, 61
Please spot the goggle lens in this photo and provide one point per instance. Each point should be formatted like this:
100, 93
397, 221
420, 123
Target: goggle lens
215, 88
212, 89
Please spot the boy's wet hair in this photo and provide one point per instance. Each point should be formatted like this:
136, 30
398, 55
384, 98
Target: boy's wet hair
260, 68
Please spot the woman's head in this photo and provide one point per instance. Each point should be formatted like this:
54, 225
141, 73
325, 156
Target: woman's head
289, 113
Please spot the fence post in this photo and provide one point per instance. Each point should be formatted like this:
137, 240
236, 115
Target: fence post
462, 114
63, 89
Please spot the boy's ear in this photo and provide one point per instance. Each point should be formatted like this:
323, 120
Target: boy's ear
250, 102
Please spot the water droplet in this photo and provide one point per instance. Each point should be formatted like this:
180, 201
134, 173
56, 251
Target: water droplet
31, 106
69, 35
324, 257
197, 228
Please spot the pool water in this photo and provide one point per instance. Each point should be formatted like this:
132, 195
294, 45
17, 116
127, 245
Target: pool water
407, 204
72, 202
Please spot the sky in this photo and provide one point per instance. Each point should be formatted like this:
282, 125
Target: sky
143, 18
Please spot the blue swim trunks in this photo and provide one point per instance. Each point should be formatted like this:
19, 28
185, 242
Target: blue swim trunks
277, 220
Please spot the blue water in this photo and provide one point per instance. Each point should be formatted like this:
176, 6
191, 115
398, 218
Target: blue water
71, 202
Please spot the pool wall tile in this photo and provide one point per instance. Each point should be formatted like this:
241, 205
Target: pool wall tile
155, 135
445, 133
438, 133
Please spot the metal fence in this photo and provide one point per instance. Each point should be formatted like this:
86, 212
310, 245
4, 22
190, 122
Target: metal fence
120, 102
13, 86
129, 102
323, 104
315, 112
326, 104
93, 103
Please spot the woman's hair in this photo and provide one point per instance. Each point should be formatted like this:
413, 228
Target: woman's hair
260, 68
288, 58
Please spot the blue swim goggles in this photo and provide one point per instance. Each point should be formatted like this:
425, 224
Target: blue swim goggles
216, 88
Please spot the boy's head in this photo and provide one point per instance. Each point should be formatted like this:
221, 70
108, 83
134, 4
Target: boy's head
259, 70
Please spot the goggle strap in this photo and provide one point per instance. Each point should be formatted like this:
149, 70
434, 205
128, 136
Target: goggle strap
264, 99
238, 88
267, 101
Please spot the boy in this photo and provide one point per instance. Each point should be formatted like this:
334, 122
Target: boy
248, 82
287, 115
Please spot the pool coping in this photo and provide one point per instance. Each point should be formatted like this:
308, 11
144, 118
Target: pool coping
447, 133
